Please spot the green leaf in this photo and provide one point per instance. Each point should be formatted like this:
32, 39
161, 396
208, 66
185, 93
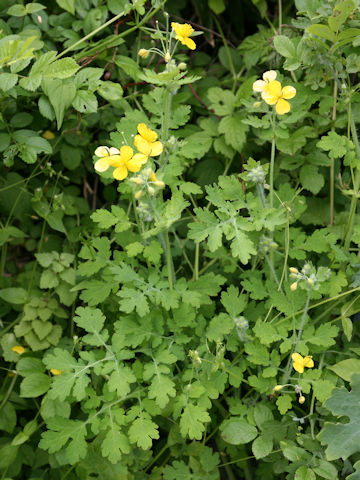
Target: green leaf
7, 81
311, 179
343, 439
262, 446
334, 143
326, 470
238, 432
115, 444
234, 130
85, 102
68, 5
322, 31
217, 6
92, 320
304, 473
161, 389
120, 381
284, 403
346, 368
34, 385
61, 95
17, 11
14, 295
143, 431
284, 46
222, 101
192, 421
60, 431
233, 302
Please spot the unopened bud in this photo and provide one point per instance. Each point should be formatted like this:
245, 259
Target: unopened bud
301, 399
138, 194
256, 104
277, 388
137, 180
48, 135
167, 57
293, 270
182, 66
310, 282
293, 286
151, 190
143, 53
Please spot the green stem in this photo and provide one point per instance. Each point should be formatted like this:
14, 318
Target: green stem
272, 162
165, 125
109, 22
353, 205
8, 393
298, 338
228, 54
332, 162
196, 263
280, 15
169, 262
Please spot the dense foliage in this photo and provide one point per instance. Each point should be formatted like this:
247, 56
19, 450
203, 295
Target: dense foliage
180, 273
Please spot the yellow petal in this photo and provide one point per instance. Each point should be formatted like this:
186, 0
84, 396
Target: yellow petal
259, 85
189, 42
269, 76
140, 158
296, 357
288, 92
102, 152
269, 99
308, 362
299, 367
147, 133
273, 88
18, 349
156, 149
102, 165
142, 145
126, 153
114, 160
134, 165
120, 172
114, 151
282, 107
152, 177
55, 371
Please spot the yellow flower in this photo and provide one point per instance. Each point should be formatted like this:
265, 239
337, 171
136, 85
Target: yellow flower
18, 349
268, 76
55, 371
183, 32
274, 94
123, 160
147, 144
48, 135
300, 362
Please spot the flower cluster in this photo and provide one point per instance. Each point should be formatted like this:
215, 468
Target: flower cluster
309, 276
146, 182
273, 93
124, 160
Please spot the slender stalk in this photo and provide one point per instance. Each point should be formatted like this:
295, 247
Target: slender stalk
280, 15
332, 162
356, 186
8, 393
228, 54
298, 338
106, 24
272, 161
196, 263
165, 124
169, 262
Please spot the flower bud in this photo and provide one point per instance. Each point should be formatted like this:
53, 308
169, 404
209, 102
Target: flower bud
277, 388
143, 53
301, 399
137, 180
257, 104
310, 282
182, 66
293, 270
151, 190
138, 194
293, 286
167, 57
48, 135
55, 371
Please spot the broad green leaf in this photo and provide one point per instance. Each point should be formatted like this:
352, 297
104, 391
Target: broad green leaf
343, 439
14, 295
192, 422
322, 31
68, 5
262, 446
7, 81
238, 432
115, 444
142, 431
346, 368
284, 46
61, 95
34, 385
